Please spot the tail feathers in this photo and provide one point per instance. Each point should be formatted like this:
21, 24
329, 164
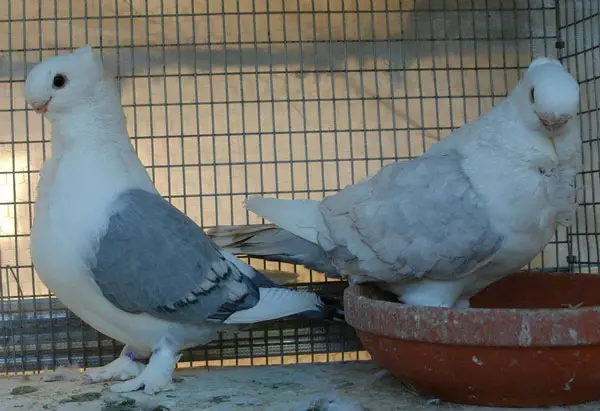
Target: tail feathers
235, 237
332, 311
272, 243
280, 277
299, 217
332, 295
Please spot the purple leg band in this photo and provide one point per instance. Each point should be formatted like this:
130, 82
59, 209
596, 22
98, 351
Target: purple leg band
130, 355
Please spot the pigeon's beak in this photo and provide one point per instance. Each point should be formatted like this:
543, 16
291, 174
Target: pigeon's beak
40, 107
552, 122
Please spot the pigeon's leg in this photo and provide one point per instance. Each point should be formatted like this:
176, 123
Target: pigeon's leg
123, 368
158, 375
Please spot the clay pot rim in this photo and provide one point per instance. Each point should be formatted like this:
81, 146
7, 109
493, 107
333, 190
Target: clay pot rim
494, 327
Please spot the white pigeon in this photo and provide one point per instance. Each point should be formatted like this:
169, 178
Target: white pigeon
120, 256
477, 206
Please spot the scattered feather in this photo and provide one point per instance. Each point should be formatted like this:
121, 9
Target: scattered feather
62, 373
332, 403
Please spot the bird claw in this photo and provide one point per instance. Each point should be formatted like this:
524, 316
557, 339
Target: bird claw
158, 374
121, 369
152, 381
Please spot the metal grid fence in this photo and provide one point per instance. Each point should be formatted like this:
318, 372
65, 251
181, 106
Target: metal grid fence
293, 98
579, 50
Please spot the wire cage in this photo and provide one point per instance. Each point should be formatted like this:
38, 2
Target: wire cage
288, 98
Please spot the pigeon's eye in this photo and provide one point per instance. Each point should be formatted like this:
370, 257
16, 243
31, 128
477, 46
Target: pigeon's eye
532, 95
60, 80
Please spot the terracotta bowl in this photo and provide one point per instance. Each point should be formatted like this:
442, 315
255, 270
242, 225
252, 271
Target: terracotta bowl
530, 340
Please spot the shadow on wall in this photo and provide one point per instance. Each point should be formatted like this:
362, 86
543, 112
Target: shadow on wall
303, 34
373, 49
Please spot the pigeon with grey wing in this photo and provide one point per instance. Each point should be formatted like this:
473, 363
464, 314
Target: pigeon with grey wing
120, 256
477, 206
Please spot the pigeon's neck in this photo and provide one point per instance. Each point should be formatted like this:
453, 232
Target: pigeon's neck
98, 120
509, 107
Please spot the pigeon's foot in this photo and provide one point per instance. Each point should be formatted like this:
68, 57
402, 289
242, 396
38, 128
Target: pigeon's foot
156, 377
431, 293
152, 381
121, 369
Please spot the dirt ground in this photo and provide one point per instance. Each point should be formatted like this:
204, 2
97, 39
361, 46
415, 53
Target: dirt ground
350, 386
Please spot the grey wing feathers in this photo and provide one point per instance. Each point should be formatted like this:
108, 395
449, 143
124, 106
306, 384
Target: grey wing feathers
412, 219
272, 243
154, 259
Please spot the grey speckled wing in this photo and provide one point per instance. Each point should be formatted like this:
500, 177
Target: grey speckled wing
412, 219
154, 259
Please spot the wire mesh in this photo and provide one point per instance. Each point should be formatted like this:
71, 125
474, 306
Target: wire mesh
290, 98
579, 43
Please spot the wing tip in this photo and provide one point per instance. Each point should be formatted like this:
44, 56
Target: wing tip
278, 303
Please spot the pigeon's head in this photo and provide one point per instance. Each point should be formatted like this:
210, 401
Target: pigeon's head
60, 83
551, 93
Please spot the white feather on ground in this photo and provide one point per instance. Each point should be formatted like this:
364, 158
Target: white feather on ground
331, 403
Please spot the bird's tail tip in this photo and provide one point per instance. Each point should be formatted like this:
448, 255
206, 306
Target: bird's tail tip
333, 311
332, 303
235, 237
283, 302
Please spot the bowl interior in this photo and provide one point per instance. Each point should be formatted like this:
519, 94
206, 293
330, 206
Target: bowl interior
538, 290
527, 290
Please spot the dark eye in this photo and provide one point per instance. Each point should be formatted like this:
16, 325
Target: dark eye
60, 80
532, 95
